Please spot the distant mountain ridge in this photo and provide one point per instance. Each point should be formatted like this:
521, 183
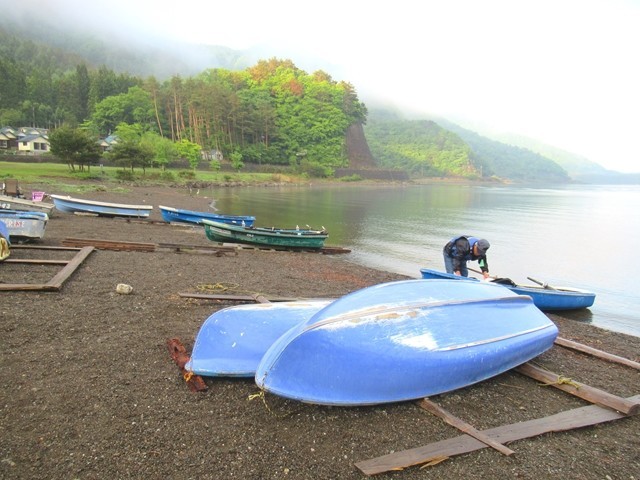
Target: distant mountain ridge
513, 157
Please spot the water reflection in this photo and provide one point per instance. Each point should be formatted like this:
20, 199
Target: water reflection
577, 236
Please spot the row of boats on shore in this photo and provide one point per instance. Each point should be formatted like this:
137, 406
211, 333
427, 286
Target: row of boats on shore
390, 342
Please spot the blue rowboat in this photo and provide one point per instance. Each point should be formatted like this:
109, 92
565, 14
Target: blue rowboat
5, 241
405, 340
544, 297
265, 237
23, 225
231, 342
170, 214
103, 209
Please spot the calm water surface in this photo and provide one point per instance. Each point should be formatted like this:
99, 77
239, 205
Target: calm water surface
575, 236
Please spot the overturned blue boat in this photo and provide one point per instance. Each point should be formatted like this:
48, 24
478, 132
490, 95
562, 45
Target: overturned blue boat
405, 340
544, 297
232, 341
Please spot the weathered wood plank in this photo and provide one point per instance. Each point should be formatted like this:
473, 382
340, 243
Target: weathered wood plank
71, 267
462, 425
591, 394
569, 420
563, 342
36, 261
237, 298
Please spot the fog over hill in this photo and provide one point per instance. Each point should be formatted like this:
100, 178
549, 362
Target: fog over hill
140, 49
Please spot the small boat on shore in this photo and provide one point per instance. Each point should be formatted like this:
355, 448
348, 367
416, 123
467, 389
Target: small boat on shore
5, 241
170, 214
544, 297
17, 203
24, 226
104, 209
262, 236
231, 342
405, 340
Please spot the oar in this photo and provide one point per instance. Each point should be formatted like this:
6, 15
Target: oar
481, 273
542, 284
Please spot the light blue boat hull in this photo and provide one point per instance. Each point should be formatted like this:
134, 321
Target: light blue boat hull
560, 298
23, 225
170, 214
231, 342
405, 340
103, 209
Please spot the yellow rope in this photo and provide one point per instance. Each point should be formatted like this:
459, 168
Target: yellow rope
217, 287
263, 397
562, 381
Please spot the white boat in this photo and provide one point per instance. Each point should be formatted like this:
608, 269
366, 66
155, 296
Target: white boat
24, 226
103, 209
16, 203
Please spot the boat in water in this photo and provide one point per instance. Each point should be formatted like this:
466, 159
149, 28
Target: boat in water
24, 226
104, 209
405, 340
170, 214
16, 203
232, 341
265, 237
544, 297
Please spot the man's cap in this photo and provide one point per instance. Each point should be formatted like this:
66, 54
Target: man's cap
483, 246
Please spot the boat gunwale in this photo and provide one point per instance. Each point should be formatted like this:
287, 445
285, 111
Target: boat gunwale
82, 201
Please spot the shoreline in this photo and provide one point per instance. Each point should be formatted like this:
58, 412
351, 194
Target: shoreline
90, 389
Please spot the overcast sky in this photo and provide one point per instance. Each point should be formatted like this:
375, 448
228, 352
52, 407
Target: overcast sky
566, 72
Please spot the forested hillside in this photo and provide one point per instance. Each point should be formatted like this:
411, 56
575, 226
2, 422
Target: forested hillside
270, 113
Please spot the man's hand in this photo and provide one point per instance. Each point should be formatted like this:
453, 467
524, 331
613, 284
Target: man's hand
457, 272
485, 275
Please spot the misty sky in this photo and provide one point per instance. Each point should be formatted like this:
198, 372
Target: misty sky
566, 72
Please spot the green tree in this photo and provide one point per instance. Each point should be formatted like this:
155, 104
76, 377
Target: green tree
74, 146
131, 154
190, 151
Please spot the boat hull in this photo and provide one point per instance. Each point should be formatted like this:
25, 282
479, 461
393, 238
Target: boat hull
276, 237
232, 341
103, 209
170, 215
24, 226
14, 203
405, 340
558, 298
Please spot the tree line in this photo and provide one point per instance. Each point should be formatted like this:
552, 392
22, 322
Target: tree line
270, 113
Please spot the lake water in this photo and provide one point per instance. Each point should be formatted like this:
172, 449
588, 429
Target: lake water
575, 236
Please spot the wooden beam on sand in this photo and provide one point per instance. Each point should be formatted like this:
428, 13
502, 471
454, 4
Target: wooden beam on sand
58, 280
258, 298
463, 426
563, 342
569, 420
591, 394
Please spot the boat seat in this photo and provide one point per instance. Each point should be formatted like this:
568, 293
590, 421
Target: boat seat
11, 188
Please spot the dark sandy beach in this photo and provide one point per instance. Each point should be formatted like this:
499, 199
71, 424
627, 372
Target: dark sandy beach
89, 390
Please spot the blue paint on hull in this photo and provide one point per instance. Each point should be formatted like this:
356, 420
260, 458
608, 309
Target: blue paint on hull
405, 340
170, 214
560, 298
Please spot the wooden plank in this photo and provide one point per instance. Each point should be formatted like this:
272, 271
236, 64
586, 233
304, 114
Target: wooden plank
462, 425
109, 245
237, 298
563, 342
569, 420
36, 247
591, 394
35, 261
57, 281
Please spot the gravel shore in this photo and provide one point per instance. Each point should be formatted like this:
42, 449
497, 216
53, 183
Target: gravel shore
89, 390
